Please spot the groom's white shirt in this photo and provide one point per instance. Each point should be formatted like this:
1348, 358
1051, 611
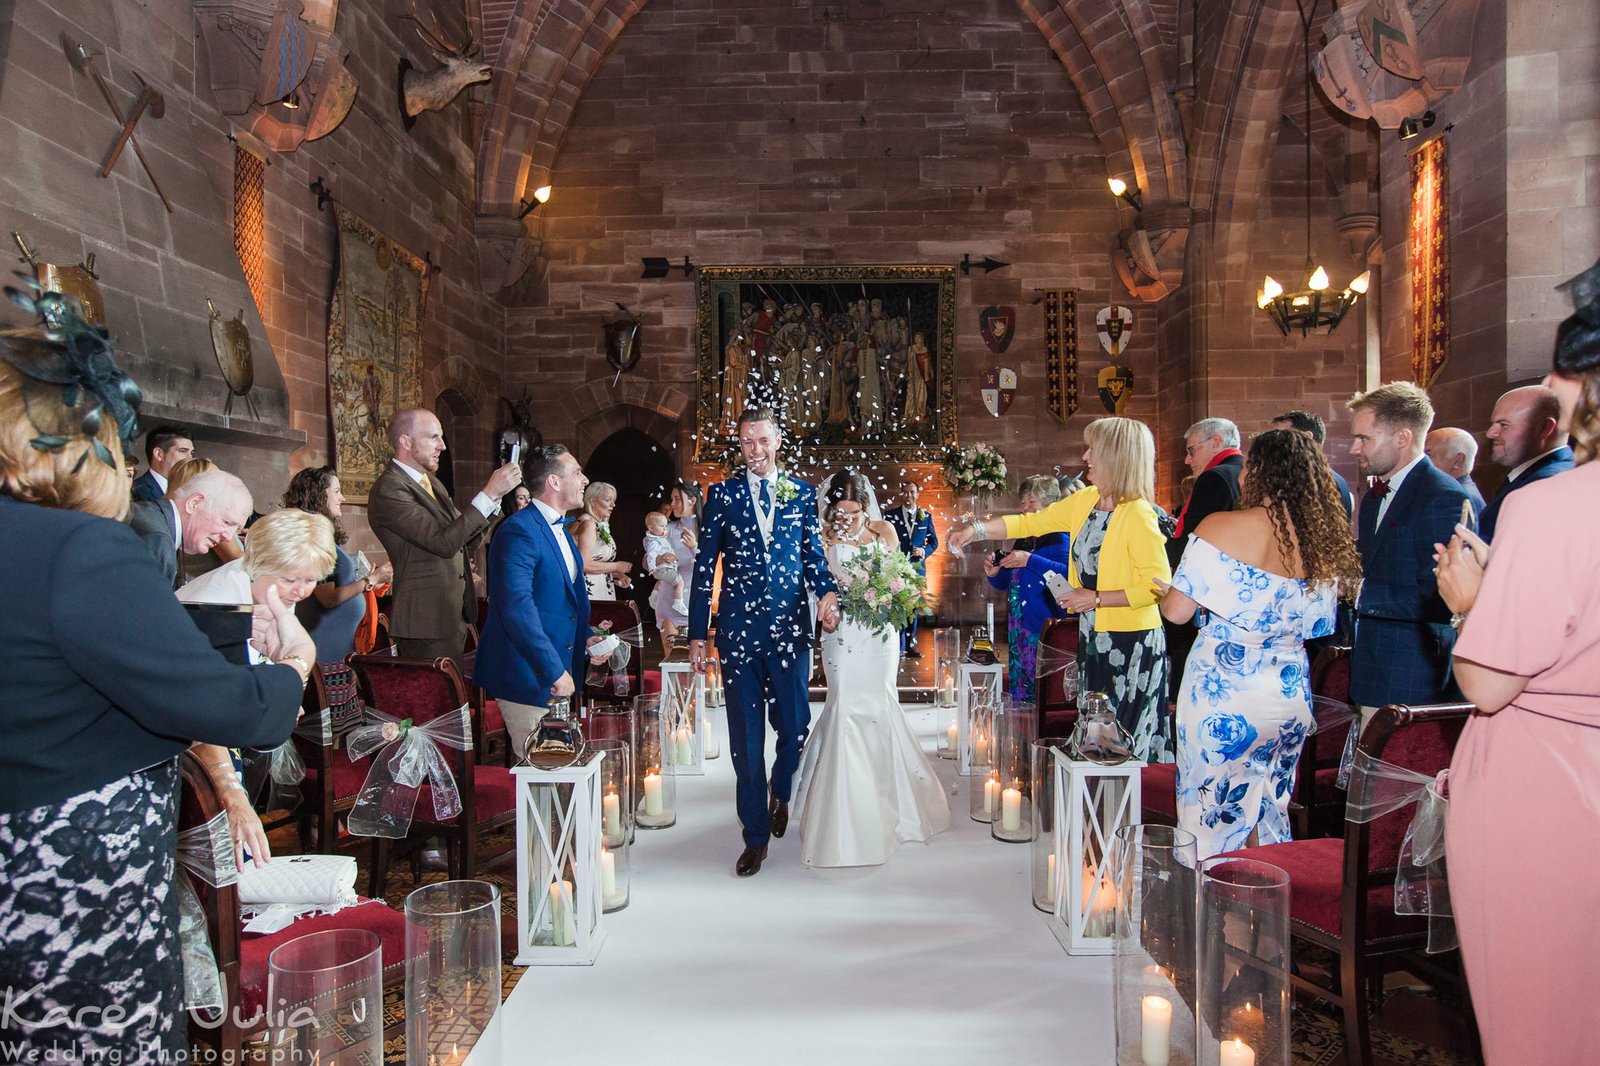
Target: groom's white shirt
763, 521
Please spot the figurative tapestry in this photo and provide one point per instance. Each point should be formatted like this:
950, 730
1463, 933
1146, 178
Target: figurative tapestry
1430, 261
857, 361
374, 349
1061, 352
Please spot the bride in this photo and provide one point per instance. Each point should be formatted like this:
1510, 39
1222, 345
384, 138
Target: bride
865, 785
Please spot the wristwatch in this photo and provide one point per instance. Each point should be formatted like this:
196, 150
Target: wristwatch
1097, 601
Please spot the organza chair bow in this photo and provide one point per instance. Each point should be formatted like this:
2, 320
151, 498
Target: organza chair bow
1421, 885
207, 852
612, 670
410, 754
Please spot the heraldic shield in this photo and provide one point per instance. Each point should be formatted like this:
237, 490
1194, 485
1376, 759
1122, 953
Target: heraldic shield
997, 324
999, 388
622, 344
1114, 327
1116, 385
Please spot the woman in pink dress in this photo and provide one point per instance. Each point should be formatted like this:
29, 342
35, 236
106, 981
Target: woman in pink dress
1524, 819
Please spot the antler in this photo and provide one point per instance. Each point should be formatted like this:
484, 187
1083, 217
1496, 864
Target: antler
434, 37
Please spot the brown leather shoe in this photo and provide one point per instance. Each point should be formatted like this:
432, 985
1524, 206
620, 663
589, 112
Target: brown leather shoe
778, 815
750, 860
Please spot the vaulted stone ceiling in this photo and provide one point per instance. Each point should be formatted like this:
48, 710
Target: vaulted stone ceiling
1185, 97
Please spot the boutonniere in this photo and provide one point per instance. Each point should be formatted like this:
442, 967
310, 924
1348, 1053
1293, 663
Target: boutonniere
605, 532
785, 491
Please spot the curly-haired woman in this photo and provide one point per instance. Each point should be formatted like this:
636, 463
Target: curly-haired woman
1264, 578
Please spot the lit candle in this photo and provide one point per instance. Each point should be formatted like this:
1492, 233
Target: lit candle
980, 749
991, 795
950, 739
1155, 1034
563, 932
1011, 810
713, 745
948, 692
652, 794
613, 815
685, 754
1237, 1053
608, 873
1050, 877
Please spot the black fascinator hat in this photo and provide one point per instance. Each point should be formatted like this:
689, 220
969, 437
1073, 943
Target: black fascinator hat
71, 381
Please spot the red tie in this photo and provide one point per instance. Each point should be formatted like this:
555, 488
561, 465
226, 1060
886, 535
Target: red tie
1380, 488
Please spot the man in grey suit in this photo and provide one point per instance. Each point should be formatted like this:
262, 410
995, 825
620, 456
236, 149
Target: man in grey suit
1455, 451
428, 537
206, 510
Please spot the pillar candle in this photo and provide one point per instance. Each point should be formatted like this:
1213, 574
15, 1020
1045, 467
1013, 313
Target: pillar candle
713, 744
1155, 1033
613, 815
685, 754
991, 795
608, 873
652, 794
1050, 877
950, 739
1236, 1053
980, 749
991, 619
563, 932
1010, 810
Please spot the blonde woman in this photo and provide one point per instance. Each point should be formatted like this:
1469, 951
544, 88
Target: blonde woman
592, 530
1118, 555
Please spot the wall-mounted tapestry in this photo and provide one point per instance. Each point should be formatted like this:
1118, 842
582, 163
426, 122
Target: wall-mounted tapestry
857, 361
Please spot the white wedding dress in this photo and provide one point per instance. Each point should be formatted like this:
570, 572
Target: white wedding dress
865, 785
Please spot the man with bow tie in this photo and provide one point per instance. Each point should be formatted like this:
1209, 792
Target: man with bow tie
914, 527
532, 647
1403, 634
428, 538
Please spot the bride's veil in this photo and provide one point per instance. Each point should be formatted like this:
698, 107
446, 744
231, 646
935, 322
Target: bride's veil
874, 512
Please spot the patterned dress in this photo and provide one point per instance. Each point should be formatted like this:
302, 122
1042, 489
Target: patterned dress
1244, 707
1129, 667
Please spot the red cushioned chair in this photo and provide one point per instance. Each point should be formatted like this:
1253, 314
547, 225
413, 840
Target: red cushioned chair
623, 616
1158, 793
1341, 890
1057, 714
1318, 800
332, 780
242, 957
422, 690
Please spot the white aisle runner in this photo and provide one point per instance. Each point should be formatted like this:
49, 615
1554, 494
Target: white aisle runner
936, 958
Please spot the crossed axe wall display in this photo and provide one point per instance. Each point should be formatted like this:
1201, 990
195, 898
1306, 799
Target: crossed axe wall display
148, 101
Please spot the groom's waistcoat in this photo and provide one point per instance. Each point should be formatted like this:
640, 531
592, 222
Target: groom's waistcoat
763, 602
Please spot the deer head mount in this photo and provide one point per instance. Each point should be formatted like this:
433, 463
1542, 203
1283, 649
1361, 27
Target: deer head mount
432, 90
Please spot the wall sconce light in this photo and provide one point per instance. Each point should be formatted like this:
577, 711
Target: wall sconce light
658, 267
541, 196
1410, 127
1129, 193
292, 101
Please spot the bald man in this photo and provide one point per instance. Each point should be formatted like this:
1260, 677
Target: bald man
1525, 436
428, 538
1455, 451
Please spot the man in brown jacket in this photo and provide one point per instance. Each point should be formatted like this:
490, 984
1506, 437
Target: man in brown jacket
428, 538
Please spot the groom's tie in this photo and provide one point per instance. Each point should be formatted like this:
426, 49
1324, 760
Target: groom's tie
766, 499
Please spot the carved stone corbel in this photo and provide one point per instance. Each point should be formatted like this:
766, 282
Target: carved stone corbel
1150, 257
505, 251
1355, 82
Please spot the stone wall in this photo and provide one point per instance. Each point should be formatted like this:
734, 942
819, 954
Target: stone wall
157, 269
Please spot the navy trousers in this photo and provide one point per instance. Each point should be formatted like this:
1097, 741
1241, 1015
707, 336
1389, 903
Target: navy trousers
769, 686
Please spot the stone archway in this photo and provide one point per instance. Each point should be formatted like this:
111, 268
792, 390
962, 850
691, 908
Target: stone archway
465, 446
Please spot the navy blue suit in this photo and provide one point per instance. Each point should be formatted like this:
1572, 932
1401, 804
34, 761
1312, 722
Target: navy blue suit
1403, 636
1470, 487
763, 632
1555, 463
1346, 497
915, 530
145, 487
538, 623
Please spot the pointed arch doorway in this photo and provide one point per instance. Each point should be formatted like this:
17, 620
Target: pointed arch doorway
642, 469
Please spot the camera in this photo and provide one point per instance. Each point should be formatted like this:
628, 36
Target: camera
998, 554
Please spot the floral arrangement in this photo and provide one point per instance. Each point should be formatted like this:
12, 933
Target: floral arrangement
977, 468
786, 490
880, 589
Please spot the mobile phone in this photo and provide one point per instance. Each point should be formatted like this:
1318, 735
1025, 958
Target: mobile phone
1468, 519
1057, 584
998, 554
516, 453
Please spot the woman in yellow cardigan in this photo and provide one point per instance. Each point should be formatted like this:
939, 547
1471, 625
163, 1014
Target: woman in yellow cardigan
1118, 553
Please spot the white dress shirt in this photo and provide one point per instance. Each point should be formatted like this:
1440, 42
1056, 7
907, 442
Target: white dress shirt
160, 480
553, 516
1394, 486
486, 505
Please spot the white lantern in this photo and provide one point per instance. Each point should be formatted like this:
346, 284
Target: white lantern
559, 892
977, 698
1093, 801
683, 700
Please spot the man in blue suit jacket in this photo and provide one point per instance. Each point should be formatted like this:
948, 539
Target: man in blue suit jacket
532, 647
914, 527
164, 448
763, 527
1525, 436
1403, 633
1313, 426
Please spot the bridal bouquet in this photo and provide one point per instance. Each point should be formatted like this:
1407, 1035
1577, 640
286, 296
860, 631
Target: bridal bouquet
880, 589
977, 469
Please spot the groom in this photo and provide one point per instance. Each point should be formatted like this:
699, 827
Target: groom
763, 527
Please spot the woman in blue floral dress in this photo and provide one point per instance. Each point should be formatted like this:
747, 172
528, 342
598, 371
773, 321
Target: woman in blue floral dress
1260, 581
